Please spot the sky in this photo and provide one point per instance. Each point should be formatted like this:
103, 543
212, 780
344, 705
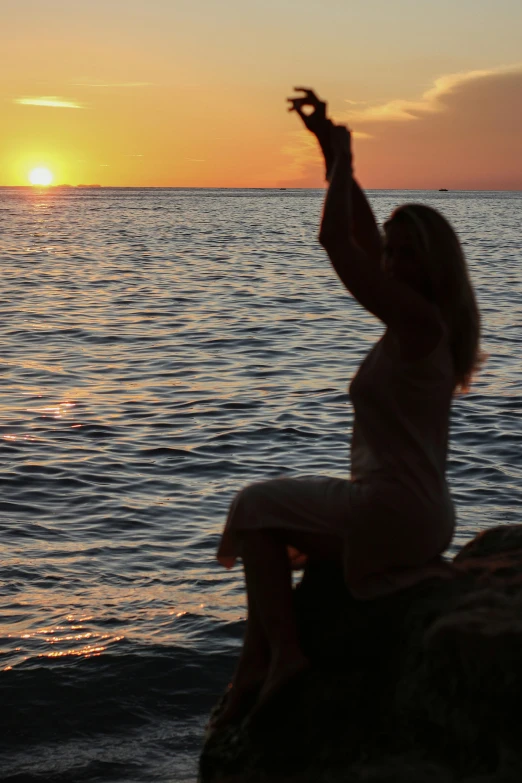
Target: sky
192, 93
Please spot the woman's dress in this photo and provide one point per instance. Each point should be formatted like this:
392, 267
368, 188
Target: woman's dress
395, 511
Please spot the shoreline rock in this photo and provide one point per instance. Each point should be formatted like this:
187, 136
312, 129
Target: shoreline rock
424, 685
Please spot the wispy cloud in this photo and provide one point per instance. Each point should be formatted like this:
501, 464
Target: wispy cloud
432, 100
462, 132
126, 85
466, 137
49, 101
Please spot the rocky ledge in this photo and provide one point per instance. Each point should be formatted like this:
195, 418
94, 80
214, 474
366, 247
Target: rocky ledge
424, 686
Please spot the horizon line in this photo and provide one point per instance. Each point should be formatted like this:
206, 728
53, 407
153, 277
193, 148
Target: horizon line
244, 187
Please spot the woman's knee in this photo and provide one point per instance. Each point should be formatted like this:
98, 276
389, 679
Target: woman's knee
247, 501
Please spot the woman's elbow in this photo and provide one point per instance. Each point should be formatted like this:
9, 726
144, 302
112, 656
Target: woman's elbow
327, 238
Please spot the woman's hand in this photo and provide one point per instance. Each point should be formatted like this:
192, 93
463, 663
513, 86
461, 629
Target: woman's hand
335, 140
316, 121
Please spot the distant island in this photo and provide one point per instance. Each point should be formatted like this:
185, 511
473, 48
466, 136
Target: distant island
443, 190
89, 186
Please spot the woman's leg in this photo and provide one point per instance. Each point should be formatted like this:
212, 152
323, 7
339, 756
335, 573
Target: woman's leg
272, 654
269, 587
254, 660
271, 648
251, 671
271, 651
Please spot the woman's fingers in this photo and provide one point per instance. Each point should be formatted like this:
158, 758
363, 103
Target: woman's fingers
297, 103
309, 94
308, 99
314, 117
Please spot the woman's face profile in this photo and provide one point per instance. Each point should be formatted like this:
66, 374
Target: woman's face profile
401, 259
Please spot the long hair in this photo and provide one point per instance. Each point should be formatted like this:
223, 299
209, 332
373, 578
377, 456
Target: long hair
451, 289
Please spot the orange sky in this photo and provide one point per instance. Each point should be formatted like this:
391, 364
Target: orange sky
192, 92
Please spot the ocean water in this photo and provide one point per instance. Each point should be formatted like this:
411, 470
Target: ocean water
160, 349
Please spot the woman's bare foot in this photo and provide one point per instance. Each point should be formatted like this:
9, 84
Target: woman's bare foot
248, 693
243, 691
251, 672
238, 701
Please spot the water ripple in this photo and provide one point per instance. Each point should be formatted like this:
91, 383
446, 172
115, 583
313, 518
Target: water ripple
161, 348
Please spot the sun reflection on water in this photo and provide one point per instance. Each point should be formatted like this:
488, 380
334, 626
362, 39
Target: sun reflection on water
74, 639
88, 651
58, 411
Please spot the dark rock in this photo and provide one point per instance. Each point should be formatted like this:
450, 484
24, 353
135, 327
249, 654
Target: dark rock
423, 686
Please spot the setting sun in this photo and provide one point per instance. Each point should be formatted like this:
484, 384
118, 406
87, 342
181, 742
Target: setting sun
40, 176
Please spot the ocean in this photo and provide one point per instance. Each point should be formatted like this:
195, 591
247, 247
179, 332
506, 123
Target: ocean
161, 348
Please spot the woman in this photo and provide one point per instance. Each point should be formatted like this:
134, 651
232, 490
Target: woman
392, 520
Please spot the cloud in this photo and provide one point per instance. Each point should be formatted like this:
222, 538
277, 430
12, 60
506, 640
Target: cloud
432, 101
463, 133
50, 101
113, 84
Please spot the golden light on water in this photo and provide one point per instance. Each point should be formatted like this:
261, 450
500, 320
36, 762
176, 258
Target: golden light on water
40, 176
65, 641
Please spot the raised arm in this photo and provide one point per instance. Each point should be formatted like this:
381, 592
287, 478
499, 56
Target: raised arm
416, 322
365, 230
337, 233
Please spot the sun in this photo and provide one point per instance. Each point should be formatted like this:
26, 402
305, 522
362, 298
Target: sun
40, 176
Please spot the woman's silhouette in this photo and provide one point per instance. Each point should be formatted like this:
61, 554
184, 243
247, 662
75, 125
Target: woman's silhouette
392, 520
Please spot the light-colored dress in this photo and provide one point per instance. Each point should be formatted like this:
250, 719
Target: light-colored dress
396, 511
